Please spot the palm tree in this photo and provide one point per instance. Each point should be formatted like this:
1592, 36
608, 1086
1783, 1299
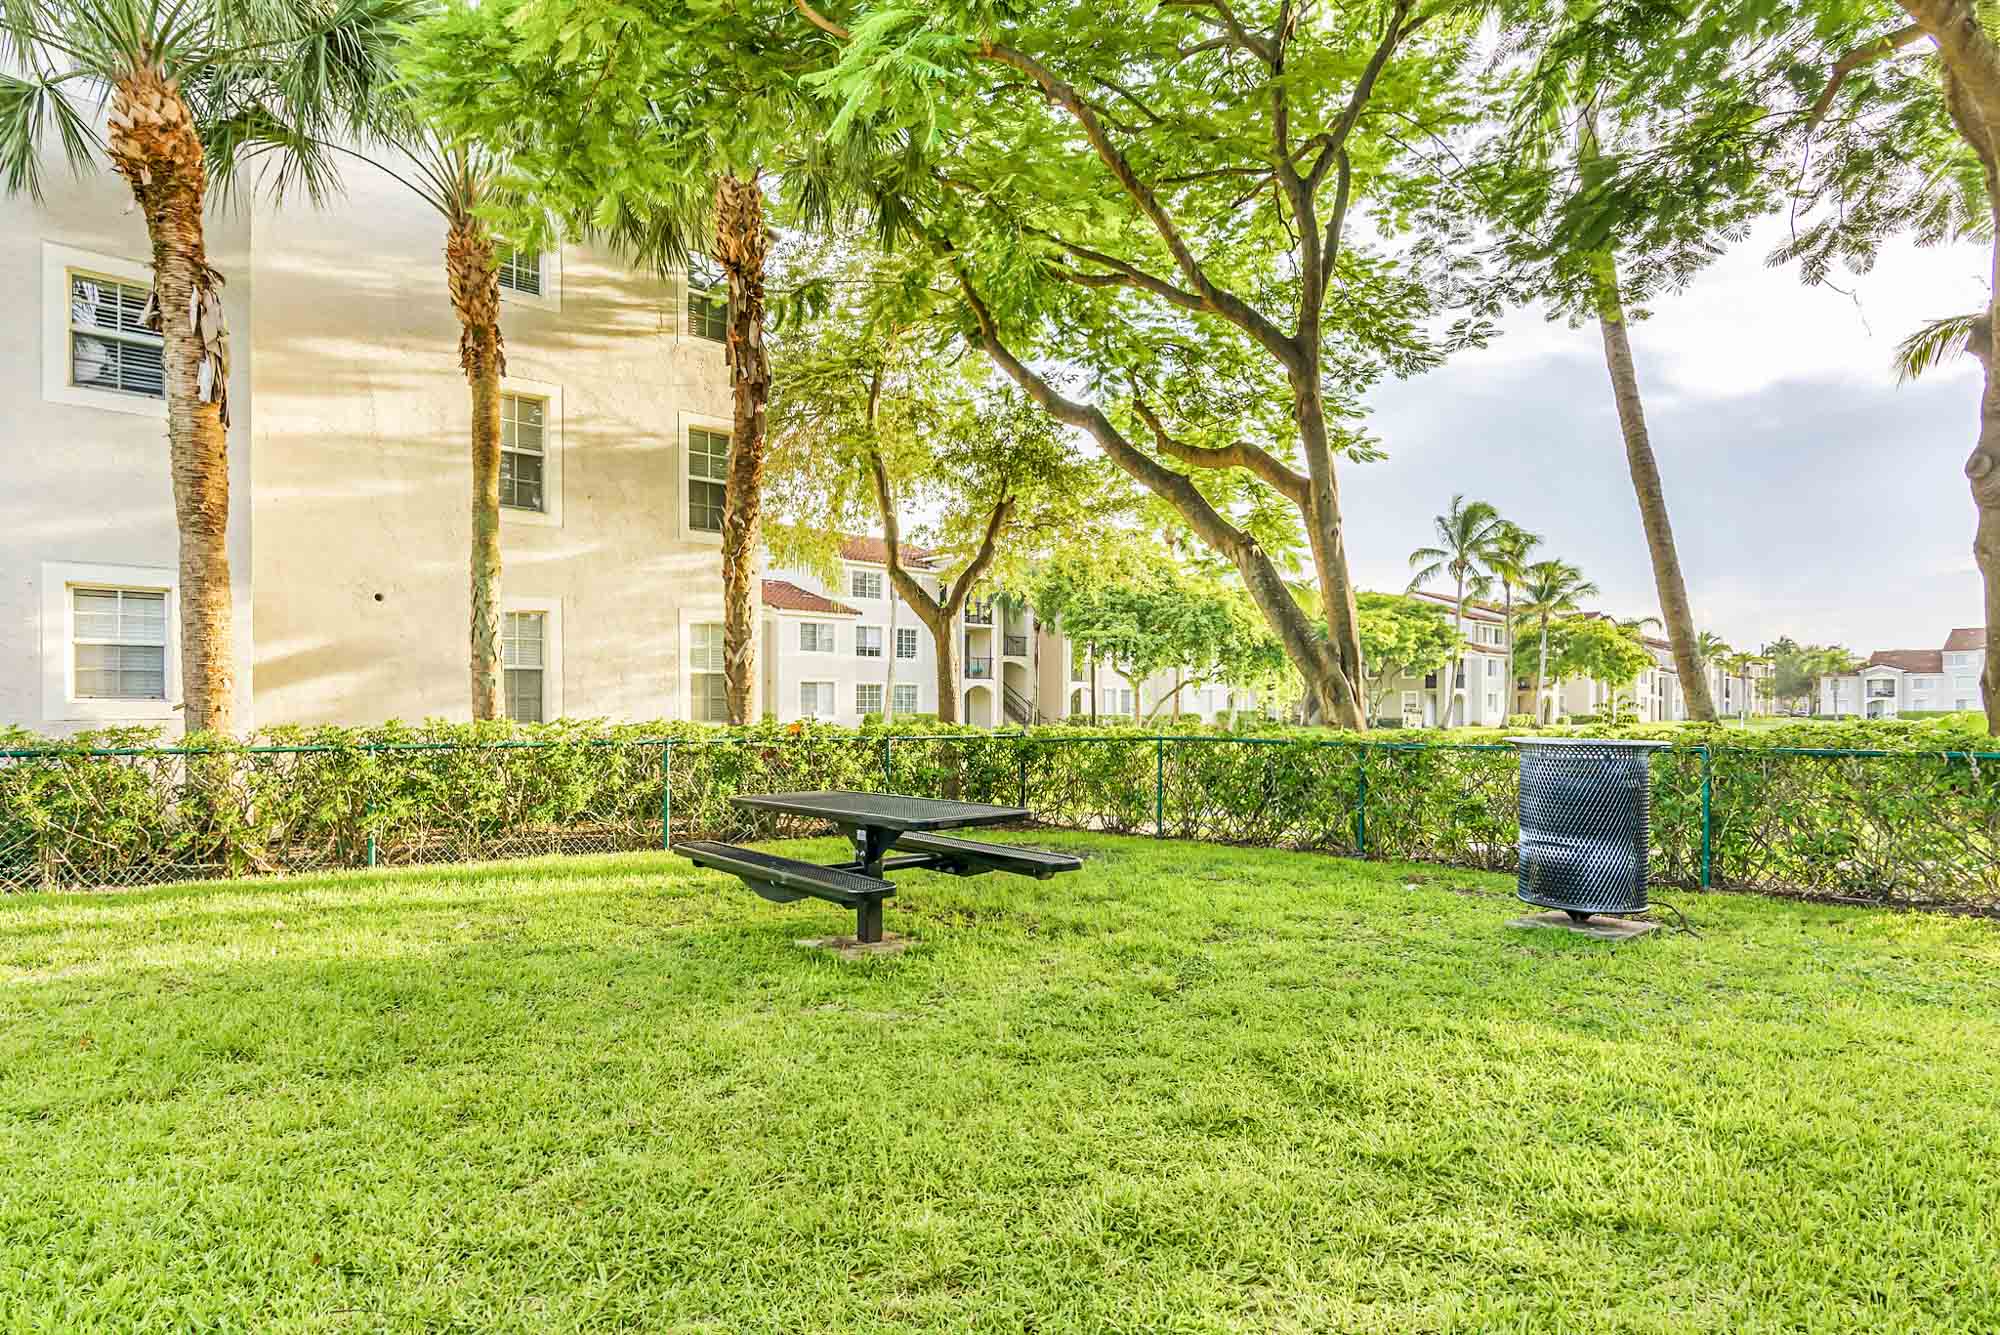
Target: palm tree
1709, 649
1465, 535
1551, 589
189, 83
1507, 561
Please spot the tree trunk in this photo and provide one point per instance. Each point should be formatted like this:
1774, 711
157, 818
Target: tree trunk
1646, 484
153, 145
940, 616
1091, 651
474, 276
947, 667
1544, 710
740, 245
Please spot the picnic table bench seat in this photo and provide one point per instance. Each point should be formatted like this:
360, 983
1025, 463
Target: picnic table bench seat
968, 857
782, 880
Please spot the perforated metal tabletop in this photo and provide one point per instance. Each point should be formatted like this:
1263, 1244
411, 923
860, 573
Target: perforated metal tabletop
885, 811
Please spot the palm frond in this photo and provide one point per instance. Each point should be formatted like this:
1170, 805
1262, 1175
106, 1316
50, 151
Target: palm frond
31, 110
1937, 342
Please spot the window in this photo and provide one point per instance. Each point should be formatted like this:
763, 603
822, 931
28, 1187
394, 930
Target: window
906, 642
708, 475
816, 637
1492, 704
522, 657
708, 299
906, 699
864, 583
1412, 703
522, 454
521, 271
1965, 683
109, 346
816, 699
868, 697
867, 641
708, 695
119, 639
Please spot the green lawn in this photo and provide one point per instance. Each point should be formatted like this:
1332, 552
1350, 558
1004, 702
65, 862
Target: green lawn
1188, 1089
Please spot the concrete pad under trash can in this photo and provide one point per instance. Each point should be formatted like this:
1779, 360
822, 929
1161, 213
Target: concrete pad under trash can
1598, 927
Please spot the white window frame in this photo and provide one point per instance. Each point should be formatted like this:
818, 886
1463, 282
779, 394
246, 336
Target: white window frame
862, 708
552, 662
881, 649
916, 704
832, 694
688, 291
551, 395
550, 297
58, 263
689, 619
880, 578
916, 644
60, 703
832, 637
683, 456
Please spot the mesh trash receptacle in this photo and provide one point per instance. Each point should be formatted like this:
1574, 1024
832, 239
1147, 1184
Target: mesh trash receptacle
1585, 807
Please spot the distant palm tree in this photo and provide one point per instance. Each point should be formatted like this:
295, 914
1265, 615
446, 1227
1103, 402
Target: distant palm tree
1465, 534
189, 83
1551, 589
1507, 561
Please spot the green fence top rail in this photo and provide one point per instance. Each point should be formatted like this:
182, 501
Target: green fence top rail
959, 738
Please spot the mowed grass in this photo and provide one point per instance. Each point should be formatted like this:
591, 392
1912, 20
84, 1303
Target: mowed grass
1190, 1088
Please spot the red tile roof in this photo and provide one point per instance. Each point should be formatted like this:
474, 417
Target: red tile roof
876, 551
1908, 660
1965, 639
788, 597
1474, 609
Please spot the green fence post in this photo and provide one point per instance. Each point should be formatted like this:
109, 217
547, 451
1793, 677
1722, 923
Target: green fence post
667, 796
367, 814
1024, 773
888, 770
1361, 806
1159, 788
1707, 826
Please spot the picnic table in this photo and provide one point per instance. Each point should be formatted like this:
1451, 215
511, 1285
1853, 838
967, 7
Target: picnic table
877, 823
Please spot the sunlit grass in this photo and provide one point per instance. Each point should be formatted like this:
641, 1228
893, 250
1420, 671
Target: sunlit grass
1187, 1089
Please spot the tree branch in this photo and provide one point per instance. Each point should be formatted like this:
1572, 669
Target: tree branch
962, 586
820, 21
1225, 19
1868, 52
1239, 454
913, 593
1364, 88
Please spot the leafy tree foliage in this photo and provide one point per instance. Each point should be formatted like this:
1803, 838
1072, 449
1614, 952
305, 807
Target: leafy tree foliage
1402, 637
1161, 197
1587, 648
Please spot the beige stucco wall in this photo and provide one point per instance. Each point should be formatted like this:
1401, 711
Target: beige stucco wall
90, 484
362, 477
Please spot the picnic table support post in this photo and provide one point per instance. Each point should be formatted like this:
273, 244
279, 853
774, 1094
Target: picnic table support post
868, 922
1707, 828
1160, 788
667, 795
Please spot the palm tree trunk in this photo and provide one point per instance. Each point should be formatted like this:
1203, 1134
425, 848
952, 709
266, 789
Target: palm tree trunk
1542, 710
740, 245
1450, 692
153, 145
1645, 470
1982, 472
474, 277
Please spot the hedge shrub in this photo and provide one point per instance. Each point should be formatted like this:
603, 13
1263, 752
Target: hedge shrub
1918, 824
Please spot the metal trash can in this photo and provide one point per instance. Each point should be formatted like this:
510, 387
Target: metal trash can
1586, 805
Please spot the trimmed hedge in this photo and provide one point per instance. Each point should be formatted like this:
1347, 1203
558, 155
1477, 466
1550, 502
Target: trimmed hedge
1918, 824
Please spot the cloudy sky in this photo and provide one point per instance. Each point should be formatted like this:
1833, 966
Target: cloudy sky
1811, 494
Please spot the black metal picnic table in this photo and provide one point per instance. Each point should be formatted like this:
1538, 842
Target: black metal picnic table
877, 823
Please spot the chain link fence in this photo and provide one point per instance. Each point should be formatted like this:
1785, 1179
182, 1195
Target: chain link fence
1912, 828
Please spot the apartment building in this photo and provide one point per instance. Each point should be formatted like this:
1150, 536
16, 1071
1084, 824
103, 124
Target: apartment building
1903, 681
350, 477
1481, 693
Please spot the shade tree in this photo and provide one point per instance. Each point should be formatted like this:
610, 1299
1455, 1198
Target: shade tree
1164, 199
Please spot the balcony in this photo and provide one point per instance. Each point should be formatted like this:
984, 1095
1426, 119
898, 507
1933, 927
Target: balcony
1881, 689
979, 669
979, 614
1015, 646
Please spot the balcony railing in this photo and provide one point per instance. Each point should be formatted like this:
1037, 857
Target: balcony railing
1016, 646
979, 667
979, 614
